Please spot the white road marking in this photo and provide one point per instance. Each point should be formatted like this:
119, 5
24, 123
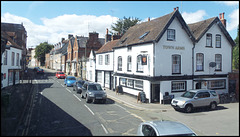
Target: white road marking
76, 97
88, 108
120, 106
68, 90
62, 85
104, 129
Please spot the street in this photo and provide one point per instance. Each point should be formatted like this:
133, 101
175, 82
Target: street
58, 110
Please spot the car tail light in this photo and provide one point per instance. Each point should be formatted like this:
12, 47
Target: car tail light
37, 71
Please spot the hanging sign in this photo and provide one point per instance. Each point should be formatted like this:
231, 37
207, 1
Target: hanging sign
144, 60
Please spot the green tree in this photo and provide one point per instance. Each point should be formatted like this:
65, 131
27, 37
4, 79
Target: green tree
41, 50
236, 52
124, 24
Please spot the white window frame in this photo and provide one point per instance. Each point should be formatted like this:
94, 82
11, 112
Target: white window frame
218, 61
199, 62
176, 64
138, 84
178, 86
100, 60
171, 35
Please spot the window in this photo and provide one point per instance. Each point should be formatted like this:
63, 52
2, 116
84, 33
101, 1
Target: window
147, 130
107, 75
123, 81
218, 61
218, 41
144, 35
100, 60
17, 61
129, 48
13, 58
130, 83
139, 64
203, 95
217, 84
5, 57
120, 63
171, 34
90, 75
178, 86
199, 62
129, 64
176, 64
107, 62
209, 40
138, 84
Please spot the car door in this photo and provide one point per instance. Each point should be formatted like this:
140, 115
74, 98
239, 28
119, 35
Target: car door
198, 100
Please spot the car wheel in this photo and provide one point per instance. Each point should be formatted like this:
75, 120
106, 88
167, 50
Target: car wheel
82, 95
188, 108
88, 100
213, 106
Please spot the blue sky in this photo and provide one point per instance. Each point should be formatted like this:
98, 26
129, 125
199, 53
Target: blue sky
52, 20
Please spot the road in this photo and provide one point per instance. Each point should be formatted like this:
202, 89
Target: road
57, 110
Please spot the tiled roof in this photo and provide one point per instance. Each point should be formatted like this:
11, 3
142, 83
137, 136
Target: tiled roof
108, 46
199, 28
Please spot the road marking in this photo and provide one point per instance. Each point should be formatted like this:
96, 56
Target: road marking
62, 85
68, 90
120, 106
76, 97
88, 108
104, 129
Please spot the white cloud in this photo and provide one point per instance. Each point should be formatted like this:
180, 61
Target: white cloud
194, 17
230, 3
233, 21
54, 29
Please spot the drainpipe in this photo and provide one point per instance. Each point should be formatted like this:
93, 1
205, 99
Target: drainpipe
193, 64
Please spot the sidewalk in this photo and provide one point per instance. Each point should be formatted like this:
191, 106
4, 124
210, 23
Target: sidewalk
132, 102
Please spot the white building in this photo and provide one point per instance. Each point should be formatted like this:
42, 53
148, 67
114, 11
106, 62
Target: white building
91, 66
163, 56
104, 64
11, 66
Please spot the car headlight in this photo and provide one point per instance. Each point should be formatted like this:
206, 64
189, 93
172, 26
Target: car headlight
68, 81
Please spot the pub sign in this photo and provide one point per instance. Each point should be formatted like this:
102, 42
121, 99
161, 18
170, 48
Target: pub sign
144, 60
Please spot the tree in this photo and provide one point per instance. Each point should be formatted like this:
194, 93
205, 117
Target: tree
124, 24
236, 52
41, 50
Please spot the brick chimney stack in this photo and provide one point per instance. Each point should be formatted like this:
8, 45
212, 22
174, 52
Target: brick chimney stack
174, 9
148, 19
107, 37
221, 17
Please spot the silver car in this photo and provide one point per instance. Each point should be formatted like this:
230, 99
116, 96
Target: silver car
164, 128
93, 92
196, 98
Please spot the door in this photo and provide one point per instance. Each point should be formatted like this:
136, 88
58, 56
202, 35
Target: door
199, 85
155, 93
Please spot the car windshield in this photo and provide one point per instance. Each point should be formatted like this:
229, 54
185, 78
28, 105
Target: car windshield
71, 78
188, 94
60, 73
94, 87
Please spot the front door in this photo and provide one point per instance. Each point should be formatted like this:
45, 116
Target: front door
199, 85
155, 93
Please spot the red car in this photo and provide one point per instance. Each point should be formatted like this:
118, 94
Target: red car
60, 75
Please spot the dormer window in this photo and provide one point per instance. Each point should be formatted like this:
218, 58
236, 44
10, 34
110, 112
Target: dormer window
209, 40
171, 35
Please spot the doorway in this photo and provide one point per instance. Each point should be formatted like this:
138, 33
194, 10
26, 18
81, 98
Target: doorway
155, 93
199, 85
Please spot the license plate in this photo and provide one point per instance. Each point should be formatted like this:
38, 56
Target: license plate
98, 97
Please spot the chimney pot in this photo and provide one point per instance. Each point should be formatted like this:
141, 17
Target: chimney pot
148, 19
174, 9
107, 31
223, 15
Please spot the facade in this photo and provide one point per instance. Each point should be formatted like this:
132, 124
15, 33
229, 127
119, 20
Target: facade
167, 56
91, 67
11, 68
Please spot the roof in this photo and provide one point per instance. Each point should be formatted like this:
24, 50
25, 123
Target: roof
170, 128
82, 41
200, 28
152, 30
108, 46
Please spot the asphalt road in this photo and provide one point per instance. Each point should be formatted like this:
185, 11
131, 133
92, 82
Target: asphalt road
57, 110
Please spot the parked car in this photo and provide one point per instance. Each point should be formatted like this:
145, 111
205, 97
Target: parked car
164, 128
77, 86
69, 80
60, 75
93, 92
35, 68
195, 98
40, 71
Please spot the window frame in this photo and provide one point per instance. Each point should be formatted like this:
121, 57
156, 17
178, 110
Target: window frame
216, 41
202, 62
13, 58
173, 67
180, 89
119, 68
139, 64
100, 61
107, 59
209, 38
171, 35
129, 63
218, 62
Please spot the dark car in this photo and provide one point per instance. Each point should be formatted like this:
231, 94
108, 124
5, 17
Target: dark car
40, 71
36, 68
77, 86
93, 92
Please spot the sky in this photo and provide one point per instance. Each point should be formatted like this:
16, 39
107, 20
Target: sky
50, 21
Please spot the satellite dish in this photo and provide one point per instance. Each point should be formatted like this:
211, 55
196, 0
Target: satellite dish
212, 64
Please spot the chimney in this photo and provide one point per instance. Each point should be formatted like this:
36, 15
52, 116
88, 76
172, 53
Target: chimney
114, 37
63, 39
107, 37
69, 36
221, 16
148, 19
174, 9
93, 36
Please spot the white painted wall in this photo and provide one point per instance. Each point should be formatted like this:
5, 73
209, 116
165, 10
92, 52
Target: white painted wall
108, 67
